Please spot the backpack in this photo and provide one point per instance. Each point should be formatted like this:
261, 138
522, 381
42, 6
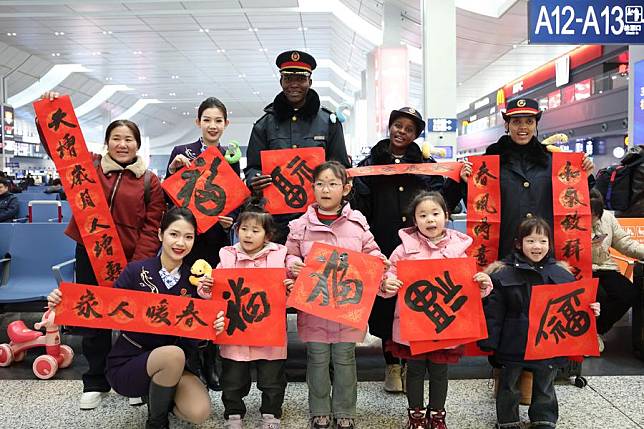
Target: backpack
615, 184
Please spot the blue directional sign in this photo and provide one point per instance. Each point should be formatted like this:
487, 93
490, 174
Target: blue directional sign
442, 125
638, 107
580, 22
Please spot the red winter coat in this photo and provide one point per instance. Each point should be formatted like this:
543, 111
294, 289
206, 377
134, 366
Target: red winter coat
137, 224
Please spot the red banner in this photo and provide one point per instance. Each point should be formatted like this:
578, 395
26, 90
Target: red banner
571, 212
446, 169
79, 178
291, 190
484, 209
128, 310
438, 302
255, 303
561, 320
208, 188
338, 284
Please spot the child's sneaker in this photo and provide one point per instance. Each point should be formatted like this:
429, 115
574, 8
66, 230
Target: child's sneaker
417, 419
344, 423
436, 419
269, 422
321, 422
233, 422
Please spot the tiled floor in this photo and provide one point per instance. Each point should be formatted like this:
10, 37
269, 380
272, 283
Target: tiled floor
607, 402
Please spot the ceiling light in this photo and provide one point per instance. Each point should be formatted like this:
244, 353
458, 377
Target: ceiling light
102, 95
200, 93
204, 30
145, 94
108, 78
137, 52
174, 76
107, 32
514, 46
142, 78
255, 92
95, 53
263, 49
59, 33
253, 29
174, 107
302, 29
137, 107
221, 51
11, 34
241, 76
55, 54
50, 80
163, 122
172, 94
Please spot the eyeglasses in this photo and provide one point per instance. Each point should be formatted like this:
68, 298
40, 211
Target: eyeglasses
330, 186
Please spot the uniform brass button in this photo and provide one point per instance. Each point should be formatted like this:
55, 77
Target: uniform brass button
401, 189
294, 118
528, 215
397, 161
526, 184
404, 219
294, 146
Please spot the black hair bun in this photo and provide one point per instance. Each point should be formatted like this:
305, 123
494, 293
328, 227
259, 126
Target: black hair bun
254, 203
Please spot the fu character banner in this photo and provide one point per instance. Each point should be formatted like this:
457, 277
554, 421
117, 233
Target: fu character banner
446, 169
338, 285
208, 188
128, 310
254, 300
439, 304
571, 210
484, 209
291, 171
561, 322
74, 163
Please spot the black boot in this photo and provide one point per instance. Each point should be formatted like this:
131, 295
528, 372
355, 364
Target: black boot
159, 402
210, 365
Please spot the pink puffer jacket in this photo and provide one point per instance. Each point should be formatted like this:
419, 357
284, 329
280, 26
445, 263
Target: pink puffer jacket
349, 231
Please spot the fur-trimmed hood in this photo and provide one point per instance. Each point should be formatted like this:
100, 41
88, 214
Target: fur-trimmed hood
381, 153
109, 165
283, 110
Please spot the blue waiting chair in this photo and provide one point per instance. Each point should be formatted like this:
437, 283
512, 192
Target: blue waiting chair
34, 251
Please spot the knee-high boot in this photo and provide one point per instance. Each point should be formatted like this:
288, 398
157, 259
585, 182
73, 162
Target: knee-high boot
160, 400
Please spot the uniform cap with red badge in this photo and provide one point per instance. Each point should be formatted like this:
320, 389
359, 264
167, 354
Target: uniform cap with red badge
295, 62
522, 107
411, 113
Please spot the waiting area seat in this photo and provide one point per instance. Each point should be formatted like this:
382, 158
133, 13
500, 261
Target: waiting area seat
32, 251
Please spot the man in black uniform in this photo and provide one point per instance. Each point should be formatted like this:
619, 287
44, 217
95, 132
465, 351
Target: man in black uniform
294, 119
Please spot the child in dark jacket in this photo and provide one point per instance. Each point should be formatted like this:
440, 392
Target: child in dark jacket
506, 311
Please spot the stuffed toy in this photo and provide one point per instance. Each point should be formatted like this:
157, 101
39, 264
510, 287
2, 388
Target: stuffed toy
233, 153
199, 269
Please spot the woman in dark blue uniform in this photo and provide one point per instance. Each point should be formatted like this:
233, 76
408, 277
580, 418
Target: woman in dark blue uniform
158, 366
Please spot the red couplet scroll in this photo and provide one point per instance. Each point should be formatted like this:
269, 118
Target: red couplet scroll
571, 211
208, 188
484, 209
254, 300
561, 322
74, 164
291, 190
439, 306
446, 169
128, 310
338, 284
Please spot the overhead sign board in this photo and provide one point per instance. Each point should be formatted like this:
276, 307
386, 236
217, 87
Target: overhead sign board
442, 125
576, 22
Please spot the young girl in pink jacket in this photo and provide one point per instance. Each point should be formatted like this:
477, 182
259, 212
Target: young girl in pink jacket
427, 239
254, 250
330, 220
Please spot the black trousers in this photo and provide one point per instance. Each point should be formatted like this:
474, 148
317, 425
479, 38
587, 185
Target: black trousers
416, 369
544, 408
96, 343
236, 381
616, 294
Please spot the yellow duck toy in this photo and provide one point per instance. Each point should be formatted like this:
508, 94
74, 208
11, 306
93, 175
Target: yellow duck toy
199, 269
428, 151
550, 142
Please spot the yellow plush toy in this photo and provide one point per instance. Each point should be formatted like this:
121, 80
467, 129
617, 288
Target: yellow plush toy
428, 151
199, 269
550, 142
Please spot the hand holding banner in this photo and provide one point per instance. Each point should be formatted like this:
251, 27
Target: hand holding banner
208, 188
338, 284
291, 190
255, 303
